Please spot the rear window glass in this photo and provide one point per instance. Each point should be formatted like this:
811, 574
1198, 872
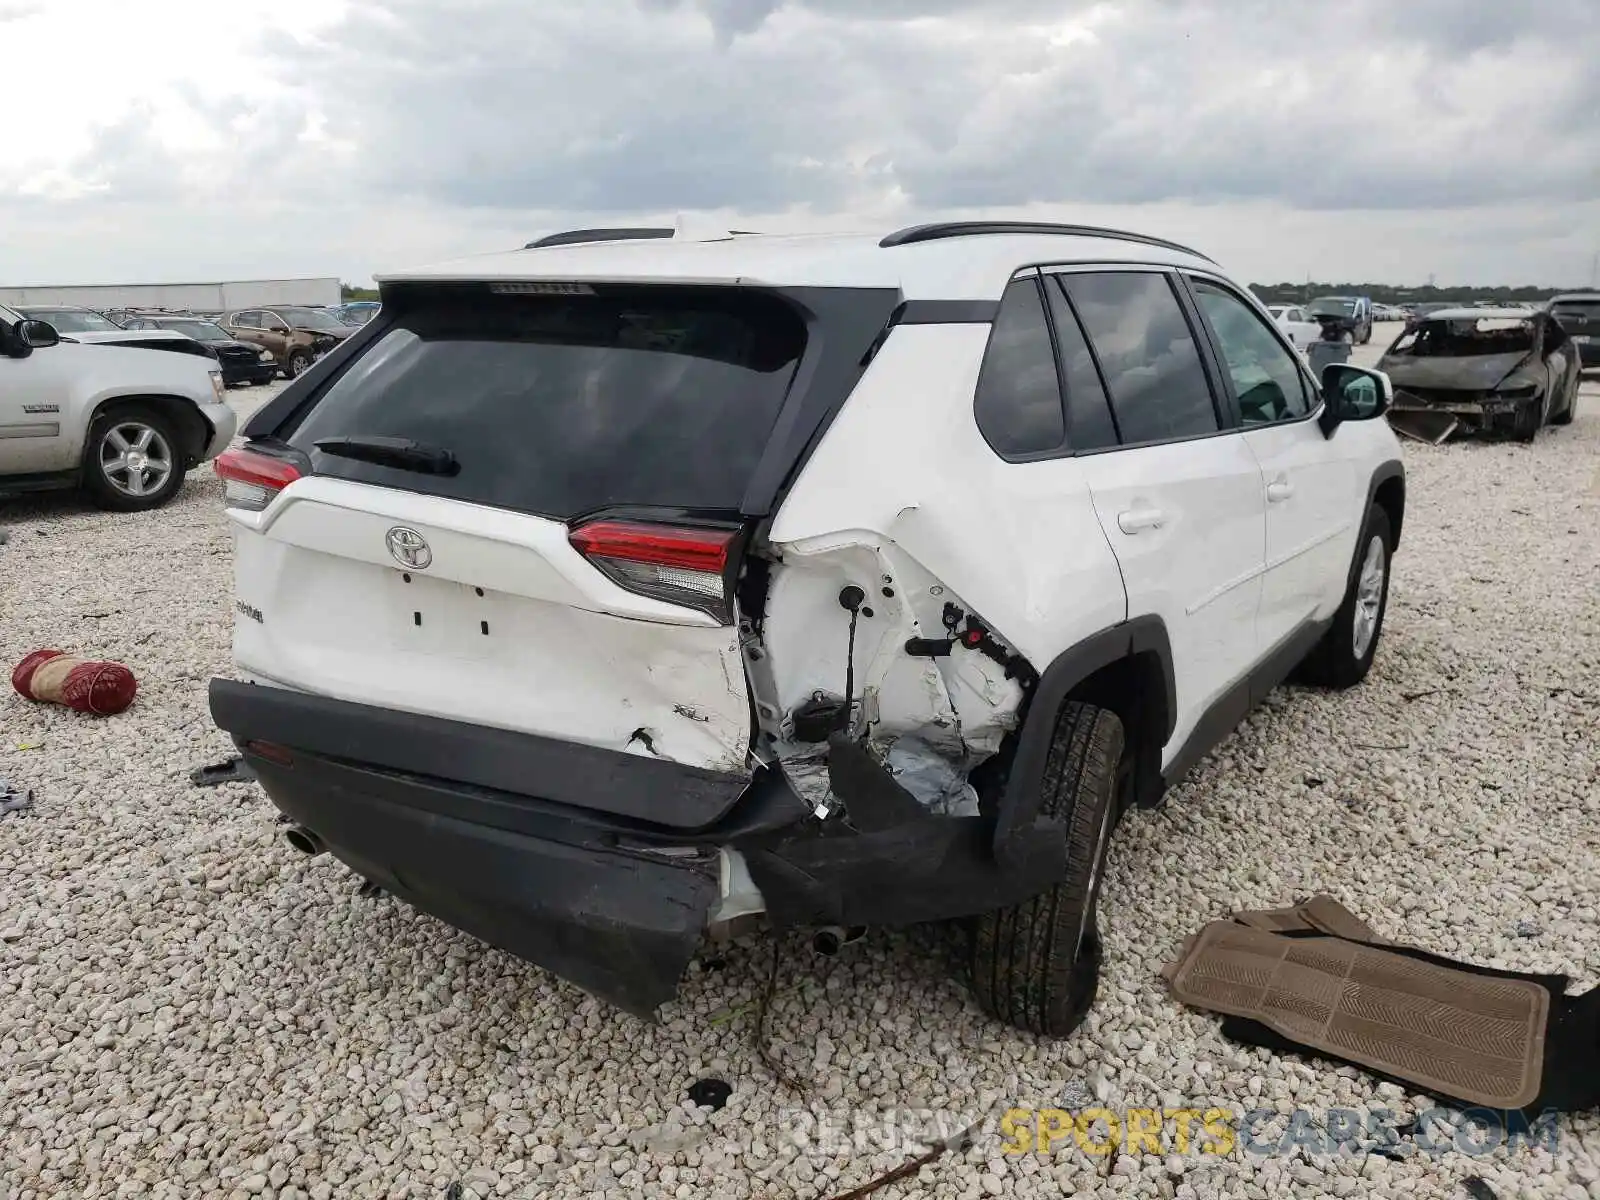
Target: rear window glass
1579, 310
561, 405
1089, 422
1018, 403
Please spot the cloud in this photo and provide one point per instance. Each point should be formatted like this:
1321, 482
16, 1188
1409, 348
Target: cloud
1431, 117
751, 104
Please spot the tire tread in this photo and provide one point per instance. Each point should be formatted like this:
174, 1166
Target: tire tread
1021, 971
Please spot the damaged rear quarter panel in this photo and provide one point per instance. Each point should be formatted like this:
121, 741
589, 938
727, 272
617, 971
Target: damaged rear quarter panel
904, 493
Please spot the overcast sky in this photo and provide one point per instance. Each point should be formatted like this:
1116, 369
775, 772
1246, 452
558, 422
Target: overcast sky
1363, 139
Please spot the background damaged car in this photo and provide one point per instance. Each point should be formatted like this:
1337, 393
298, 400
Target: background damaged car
1502, 370
294, 335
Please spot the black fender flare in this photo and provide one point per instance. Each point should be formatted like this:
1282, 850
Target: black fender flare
1019, 802
1385, 471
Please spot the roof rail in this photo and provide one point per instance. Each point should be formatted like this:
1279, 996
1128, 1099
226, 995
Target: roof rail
950, 229
574, 237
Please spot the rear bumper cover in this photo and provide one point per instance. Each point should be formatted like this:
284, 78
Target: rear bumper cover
620, 924
610, 902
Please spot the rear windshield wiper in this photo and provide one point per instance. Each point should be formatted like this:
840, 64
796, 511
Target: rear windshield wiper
400, 453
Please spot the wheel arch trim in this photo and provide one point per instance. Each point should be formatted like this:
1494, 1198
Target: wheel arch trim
194, 426
1387, 472
1019, 802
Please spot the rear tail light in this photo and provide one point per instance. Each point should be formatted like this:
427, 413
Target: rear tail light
674, 563
251, 479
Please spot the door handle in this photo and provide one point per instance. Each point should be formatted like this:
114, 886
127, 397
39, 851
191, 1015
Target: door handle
1279, 490
1137, 520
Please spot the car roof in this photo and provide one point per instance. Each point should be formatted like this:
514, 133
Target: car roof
970, 266
1569, 297
1490, 314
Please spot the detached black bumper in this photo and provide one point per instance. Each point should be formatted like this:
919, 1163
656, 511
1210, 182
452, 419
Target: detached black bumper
603, 867
619, 924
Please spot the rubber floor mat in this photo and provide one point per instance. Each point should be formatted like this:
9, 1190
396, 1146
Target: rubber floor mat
1474, 1037
1320, 914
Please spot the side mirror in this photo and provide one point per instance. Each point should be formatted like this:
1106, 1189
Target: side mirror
37, 335
1351, 393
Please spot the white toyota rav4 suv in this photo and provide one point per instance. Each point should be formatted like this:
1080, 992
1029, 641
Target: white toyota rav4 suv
603, 591
123, 423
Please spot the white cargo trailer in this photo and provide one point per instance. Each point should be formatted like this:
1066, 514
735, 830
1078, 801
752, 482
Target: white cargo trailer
221, 296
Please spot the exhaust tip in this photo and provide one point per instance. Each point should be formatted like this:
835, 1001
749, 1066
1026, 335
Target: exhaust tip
304, 840
831, 939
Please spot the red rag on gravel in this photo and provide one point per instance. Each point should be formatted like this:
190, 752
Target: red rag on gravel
101, 688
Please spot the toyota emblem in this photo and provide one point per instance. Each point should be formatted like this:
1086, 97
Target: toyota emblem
409, 548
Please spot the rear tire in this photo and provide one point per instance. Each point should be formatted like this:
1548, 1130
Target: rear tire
1344, 655
133, 459
1036, 965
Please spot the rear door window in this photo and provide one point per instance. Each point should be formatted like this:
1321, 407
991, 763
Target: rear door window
1089, 422
1018, 402
1147, 353
562, 405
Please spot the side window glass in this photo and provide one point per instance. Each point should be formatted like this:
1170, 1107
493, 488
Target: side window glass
1266, 377
1089, 422
1018, 403
1147, 354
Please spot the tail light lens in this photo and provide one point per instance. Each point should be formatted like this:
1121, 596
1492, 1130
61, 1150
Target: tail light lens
673, 563
251, 480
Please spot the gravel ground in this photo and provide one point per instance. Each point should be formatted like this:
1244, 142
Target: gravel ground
189, 1009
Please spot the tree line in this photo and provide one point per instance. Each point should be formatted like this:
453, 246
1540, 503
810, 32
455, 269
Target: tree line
1388, 293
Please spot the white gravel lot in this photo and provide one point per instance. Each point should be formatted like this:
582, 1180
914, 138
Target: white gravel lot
190, 1009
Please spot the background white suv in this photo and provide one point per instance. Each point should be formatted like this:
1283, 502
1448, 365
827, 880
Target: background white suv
608, 589
123, 423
